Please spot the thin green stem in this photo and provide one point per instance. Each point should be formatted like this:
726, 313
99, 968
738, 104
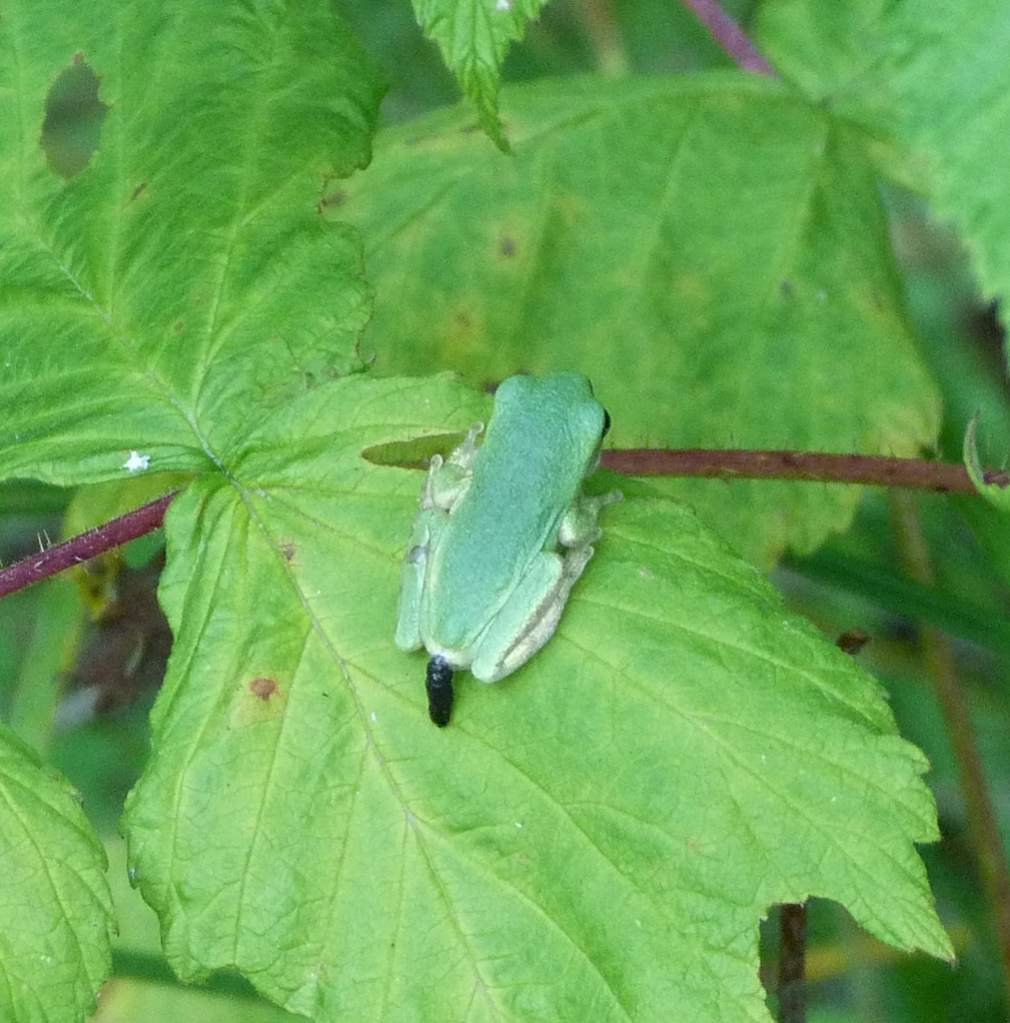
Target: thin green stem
600, 27
880, 587
942, 668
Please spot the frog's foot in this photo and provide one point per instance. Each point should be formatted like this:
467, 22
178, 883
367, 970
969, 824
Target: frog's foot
580, 525
449, 478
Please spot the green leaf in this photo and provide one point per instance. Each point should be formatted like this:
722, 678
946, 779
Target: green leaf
55, 911
146, 989
473, 36
994, 487
710, 250
57, 622
947, 72
183, 283
596, 837
827, 52
932, 78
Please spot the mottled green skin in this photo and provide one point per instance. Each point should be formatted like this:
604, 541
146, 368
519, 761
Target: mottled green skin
543, 438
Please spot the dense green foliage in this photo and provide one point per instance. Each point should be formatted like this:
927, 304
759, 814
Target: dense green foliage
207, 281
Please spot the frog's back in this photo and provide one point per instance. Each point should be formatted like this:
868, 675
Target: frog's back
542, 439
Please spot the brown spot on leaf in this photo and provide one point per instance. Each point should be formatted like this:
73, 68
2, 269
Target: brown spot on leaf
288, 551
138, 191
263, 687
507, 246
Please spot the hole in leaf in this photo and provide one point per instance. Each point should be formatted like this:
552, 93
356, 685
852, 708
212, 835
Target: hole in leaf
74, 116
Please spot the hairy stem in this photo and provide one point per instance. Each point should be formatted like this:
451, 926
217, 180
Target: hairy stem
79, 548
728, 34
946, 477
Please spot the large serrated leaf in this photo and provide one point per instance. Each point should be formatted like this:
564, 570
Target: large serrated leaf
712, 247
932, 77
55, 906
473, 37
946, 70
182, 283
594, 838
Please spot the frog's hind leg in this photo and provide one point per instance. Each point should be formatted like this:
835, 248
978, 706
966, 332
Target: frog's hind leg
428, 526
529, 617
444, 487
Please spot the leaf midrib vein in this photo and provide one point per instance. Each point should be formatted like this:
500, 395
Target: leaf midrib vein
371, 745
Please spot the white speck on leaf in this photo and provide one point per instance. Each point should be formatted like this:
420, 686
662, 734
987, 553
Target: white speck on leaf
374, 718
503, 5
518, 824
136, 462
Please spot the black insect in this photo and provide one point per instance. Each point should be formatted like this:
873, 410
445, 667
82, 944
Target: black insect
438, 682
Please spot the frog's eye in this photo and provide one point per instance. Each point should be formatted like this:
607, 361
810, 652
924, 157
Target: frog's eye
606, 424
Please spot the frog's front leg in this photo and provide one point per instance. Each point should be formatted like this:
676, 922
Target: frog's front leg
449, 479
446, 483
581, 523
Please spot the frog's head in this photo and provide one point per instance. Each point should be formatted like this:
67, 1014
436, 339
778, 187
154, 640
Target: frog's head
562, 402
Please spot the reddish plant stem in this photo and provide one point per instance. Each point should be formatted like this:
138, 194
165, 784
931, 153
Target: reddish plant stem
731, 464
83, 546
942, 668
728, 34
946, 477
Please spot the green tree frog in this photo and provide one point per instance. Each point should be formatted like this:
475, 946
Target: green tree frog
502, 533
